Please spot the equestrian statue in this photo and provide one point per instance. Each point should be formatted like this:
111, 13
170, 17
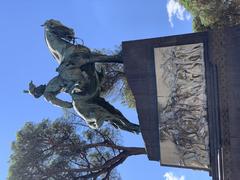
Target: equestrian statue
79, 77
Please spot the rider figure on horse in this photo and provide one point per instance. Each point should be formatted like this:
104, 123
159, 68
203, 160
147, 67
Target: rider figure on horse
78, 77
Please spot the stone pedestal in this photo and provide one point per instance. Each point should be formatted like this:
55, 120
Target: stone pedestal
222, 65
224, 49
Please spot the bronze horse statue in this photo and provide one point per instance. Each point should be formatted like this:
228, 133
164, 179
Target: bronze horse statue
77, 76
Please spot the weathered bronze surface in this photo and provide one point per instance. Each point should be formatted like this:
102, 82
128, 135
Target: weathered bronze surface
78, 76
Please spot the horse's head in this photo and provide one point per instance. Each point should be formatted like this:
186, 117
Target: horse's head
58, 38
57, 28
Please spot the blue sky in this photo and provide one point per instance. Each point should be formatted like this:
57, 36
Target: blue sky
101, 24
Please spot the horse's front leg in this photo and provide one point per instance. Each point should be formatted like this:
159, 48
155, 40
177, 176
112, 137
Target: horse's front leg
107, 59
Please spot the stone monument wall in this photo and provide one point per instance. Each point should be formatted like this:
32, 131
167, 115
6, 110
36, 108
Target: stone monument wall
222, 63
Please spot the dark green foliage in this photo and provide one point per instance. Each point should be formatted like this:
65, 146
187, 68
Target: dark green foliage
127, 95
197, 25
55, 150
67, 149
114, 82
209, 14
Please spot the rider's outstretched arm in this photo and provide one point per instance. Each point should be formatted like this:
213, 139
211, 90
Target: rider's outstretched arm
53, 88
